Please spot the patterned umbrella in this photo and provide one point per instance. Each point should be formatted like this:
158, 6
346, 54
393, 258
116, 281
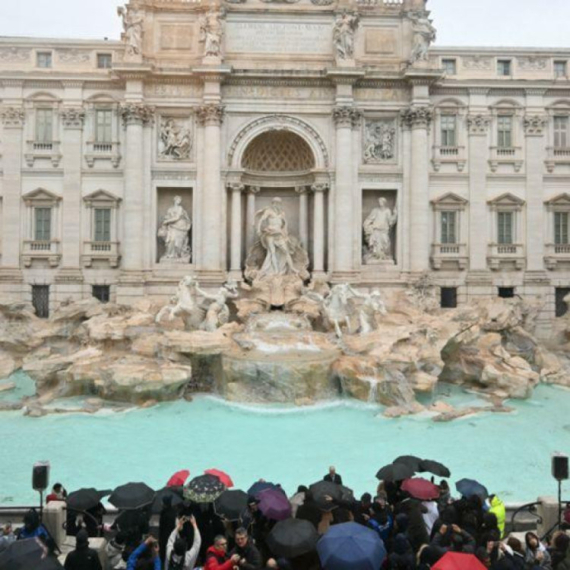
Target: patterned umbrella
132, 496
204, 489
223, 477
274, 505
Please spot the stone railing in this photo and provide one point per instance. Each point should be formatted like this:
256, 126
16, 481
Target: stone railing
42, 150
451, 155
384, 3
101, 250
41, 249
556, 253
500, 253
449, 252
103, 151
556, 155
506, 155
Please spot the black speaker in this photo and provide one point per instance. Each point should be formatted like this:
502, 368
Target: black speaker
560, 467
40, 476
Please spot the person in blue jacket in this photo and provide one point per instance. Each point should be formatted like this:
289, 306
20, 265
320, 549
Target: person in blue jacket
149, 546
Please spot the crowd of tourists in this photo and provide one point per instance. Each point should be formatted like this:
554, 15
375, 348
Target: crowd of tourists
413, 527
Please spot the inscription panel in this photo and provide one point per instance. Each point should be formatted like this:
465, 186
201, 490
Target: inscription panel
176, 36
287, 37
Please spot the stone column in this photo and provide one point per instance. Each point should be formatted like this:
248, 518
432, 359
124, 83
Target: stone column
478, 127
210, 116
344, 234
303, 216
319, 228
250, 217
72, 119
419, 119
236, 228
534, 127
13, 119
135, 116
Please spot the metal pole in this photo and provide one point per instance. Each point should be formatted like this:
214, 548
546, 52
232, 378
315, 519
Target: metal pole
559, 502
41, 506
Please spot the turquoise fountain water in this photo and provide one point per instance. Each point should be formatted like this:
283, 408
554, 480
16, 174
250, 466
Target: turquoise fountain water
510, 453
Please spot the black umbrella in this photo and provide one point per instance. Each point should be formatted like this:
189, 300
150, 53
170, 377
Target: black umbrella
175, 494
412, 461
292, 537
395, 472
28, 553
231, 504
204, 489
429, 466
326, 494
132, 496
85, 499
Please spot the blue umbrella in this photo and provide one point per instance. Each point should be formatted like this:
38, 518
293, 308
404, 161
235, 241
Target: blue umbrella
351, 545
261, 486
470, 487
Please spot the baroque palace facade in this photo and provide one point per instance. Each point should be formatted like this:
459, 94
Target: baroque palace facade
391, 158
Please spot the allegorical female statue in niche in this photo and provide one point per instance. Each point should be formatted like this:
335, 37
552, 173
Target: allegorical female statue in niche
377, 228
175, 231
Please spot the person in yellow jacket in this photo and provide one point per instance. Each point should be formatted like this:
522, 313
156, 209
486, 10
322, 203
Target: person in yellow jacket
497, 507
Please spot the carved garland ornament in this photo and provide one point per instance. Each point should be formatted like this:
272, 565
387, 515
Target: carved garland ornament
73, 117
417, 117
211, 114
478, 124
135, 113
282, 122
13, 117
534, 125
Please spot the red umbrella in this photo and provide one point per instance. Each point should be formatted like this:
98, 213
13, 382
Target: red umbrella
421, 489
458, 561
223, 477
179, 478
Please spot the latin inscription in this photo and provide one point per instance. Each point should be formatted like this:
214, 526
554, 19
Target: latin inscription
279, 37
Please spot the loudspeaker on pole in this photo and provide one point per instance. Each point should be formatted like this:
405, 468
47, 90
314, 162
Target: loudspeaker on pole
40, 476
560, 467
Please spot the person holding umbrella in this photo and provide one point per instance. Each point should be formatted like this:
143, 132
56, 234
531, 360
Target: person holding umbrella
177, 557
249, 556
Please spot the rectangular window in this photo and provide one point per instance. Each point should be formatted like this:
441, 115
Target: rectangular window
44, 59
102, 292
560, 69
505, 230
561, 307
102, 224
448, 130
561, 132
44, 125
104, 61
40, 300
506, 292
103, 126
448, 298
504, 67
561, 228
449, 66
42, 230
505, 131
448, 227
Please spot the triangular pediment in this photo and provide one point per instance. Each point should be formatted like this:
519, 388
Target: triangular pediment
559, 200
101, 196
450, 199
507, 199
41, 195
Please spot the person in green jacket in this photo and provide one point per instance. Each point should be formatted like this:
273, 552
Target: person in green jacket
498, 509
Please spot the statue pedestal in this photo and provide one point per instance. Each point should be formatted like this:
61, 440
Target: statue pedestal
175, 260
369, 260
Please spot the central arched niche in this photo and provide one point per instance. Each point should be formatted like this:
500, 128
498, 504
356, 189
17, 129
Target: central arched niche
278, 151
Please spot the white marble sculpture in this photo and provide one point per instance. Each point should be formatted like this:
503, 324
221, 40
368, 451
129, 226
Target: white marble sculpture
217, 310
377, 227
175, 231
343, 35
337, 306
133, 29
275, 252
175, 141
379, 141
211, 32
424, 35
369, 311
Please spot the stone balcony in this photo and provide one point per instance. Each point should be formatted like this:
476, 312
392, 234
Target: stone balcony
557, 254
42, 150
555, 157
107, 251
449, 256
456, 155
506, 155
110, 151
48, 250
506, 256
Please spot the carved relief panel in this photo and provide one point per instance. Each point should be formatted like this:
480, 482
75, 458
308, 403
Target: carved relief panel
379, 143
175, 138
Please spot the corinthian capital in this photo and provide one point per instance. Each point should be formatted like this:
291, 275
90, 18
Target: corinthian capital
210, 114
534, 125
72, 117
13, 117
346, 116
417, 117
137, 113
478, 124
